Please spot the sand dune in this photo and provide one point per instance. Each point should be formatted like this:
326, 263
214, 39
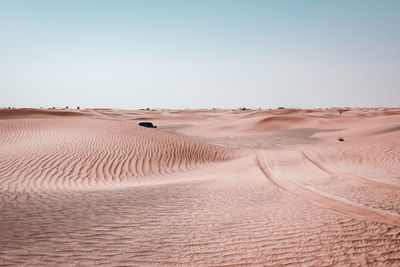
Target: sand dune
206, 188
64, 153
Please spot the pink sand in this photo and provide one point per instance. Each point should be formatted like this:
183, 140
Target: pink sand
206, 188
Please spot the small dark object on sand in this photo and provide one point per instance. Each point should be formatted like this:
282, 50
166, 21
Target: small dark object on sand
146, 124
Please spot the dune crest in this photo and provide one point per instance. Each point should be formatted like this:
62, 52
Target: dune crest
48, 154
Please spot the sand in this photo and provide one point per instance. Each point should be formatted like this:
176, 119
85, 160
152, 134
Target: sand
206, 188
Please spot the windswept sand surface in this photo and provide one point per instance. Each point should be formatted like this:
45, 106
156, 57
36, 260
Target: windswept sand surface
207, 187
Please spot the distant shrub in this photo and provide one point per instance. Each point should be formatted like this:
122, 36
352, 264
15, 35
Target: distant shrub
77, 107
340, 139
281, 107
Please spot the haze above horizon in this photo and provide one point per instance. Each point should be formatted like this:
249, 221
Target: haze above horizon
203, 54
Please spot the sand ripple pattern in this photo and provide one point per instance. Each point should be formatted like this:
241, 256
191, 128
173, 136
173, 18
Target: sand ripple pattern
84, 153
319, 183
90, 188
224, 221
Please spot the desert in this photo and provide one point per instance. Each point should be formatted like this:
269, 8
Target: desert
310, 187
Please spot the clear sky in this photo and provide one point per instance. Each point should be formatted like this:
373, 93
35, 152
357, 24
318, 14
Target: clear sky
199, 54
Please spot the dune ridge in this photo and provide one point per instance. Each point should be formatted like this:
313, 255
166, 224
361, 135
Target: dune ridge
52, 154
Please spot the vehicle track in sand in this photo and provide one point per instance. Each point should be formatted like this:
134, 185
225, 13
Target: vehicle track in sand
327, 200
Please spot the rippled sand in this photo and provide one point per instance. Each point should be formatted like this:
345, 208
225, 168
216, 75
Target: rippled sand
207, 187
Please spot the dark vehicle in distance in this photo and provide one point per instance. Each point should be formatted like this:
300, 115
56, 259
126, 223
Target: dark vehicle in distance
146, 124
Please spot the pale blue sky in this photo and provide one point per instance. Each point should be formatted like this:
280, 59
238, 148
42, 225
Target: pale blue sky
199, 54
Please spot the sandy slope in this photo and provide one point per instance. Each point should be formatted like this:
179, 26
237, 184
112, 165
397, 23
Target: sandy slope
221, 187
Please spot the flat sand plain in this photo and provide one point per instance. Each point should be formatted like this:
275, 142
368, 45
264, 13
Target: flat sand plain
206, 188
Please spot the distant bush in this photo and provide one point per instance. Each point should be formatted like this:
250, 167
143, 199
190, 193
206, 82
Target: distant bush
77, 107
340, 139
281, 107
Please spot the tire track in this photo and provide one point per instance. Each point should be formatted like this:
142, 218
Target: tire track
328, 168
324, 199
